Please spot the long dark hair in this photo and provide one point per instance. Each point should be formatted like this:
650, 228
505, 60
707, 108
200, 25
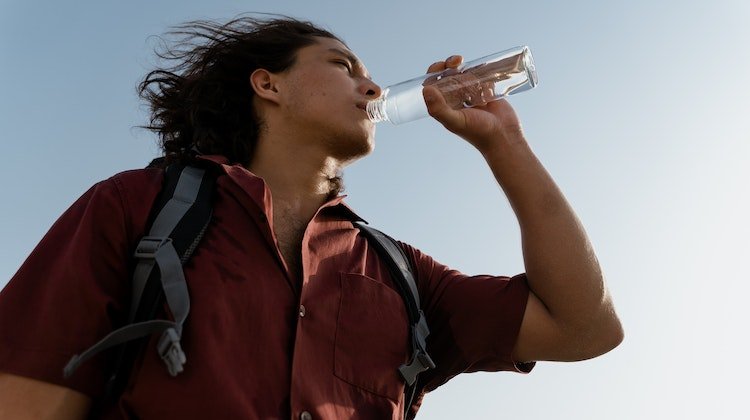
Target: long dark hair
204, 101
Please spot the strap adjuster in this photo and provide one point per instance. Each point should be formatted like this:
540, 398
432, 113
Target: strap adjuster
171, 352
148, 246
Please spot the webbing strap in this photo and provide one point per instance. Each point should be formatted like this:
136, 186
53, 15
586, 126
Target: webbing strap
396, 255
178, 299
420, 360
157, 249
174, 210
183, 198
116, 337
172, 278
140, 277
401, 273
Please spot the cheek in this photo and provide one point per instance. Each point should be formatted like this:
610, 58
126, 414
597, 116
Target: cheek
319, 91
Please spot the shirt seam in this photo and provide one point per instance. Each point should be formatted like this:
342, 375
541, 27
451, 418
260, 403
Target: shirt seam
122, 195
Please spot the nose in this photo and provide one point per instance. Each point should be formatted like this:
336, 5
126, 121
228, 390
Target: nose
371, 89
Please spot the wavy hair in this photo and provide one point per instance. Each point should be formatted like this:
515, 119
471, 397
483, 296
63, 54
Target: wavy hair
204, 101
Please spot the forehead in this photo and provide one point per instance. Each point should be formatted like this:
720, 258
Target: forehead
324, 43
324, 47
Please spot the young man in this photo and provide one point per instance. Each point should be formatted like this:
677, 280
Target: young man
293, 314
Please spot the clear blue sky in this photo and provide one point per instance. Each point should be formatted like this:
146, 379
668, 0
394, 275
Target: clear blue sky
641, 115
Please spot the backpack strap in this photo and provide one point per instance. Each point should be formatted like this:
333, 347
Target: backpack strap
402, 274
182, 212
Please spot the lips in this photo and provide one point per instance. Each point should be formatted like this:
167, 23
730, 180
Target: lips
363, 106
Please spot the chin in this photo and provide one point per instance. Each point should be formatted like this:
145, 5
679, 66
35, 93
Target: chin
348, 141
368, 141
360, 149
351, 148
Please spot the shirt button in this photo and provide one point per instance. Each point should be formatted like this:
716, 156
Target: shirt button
302, 315
305, 415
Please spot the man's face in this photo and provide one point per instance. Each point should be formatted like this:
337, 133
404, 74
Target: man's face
325, 93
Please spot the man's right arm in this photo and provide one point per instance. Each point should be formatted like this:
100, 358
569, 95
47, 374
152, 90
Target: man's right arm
24, 398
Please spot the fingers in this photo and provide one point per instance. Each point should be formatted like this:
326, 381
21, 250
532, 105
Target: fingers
439, 109
437, 106
454, 61
451, 62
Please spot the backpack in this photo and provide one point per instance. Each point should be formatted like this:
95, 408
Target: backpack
180, 217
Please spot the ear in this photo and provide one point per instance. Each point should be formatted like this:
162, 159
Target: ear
264, 84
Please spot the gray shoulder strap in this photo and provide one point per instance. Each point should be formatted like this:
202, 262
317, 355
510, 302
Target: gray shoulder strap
401, 272
156, 249
398, 264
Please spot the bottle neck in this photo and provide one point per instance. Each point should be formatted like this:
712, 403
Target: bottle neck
376, 109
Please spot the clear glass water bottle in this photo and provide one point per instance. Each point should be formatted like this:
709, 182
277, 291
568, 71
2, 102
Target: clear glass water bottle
474, 83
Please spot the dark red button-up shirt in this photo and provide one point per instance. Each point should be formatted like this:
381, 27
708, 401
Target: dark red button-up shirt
259, 343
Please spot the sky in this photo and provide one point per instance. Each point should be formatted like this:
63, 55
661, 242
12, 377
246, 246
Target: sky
640, 115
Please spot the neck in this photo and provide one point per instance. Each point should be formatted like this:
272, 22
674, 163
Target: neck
299, 177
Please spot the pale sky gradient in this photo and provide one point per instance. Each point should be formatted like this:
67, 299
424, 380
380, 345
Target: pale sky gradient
641, 115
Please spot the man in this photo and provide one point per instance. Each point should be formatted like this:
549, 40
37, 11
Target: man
292, 313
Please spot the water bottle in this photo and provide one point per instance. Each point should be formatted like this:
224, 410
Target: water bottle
474, 83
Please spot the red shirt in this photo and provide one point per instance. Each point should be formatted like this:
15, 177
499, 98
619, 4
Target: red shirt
259, 343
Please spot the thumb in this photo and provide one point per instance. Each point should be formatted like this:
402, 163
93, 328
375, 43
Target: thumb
438, 108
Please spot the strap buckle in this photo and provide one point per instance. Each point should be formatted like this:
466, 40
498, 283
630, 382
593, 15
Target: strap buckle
420, 362
171, 352
148, 246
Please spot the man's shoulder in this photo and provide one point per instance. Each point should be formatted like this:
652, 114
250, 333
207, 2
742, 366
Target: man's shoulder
138, 177
136, 182
133, 191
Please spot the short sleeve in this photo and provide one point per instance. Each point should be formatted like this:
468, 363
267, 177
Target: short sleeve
68, 293
474, 320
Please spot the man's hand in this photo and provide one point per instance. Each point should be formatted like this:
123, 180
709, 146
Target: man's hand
486, 127
25, 398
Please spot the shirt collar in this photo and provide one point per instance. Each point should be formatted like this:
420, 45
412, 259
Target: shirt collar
222, 163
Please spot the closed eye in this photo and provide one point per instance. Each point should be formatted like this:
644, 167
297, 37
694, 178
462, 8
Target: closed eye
346, 64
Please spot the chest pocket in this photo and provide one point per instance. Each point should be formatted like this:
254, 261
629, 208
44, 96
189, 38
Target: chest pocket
371, 336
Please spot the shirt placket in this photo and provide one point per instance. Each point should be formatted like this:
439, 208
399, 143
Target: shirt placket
301, 405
